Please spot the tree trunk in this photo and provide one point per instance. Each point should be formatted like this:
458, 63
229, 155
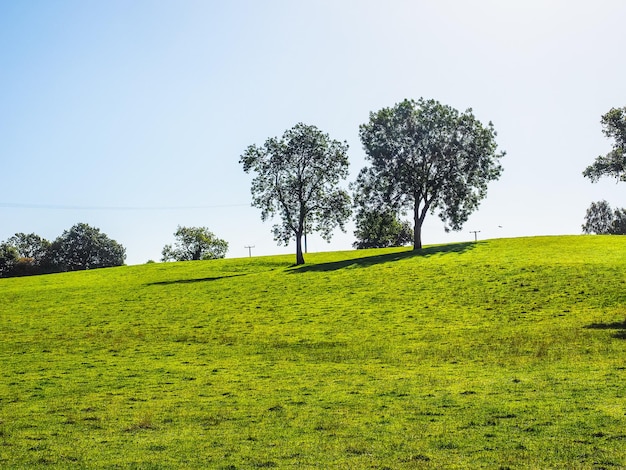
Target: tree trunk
417, 229
299, 255
417, 236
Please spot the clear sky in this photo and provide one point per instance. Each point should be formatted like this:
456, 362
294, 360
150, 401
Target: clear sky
131, 116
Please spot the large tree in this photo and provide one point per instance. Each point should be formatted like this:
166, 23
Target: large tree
297, 177
427, 157
613, 163
195, 243
83, 247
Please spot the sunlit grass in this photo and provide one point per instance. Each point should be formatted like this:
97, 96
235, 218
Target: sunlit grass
505, 353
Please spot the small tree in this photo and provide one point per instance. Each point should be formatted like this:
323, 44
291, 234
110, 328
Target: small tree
297, 176
602, 220
30, 245
195, 243
381, 229
8, 259
83, 247
619, 222
427, 157
613, 163
32, 250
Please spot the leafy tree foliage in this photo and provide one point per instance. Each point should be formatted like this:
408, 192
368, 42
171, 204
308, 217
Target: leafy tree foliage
83, 247
297, 177
599, 218
427, 157
30, 246
31, 251
613, 163
619, 222
381, 229
602, 220
195, 243
8, 259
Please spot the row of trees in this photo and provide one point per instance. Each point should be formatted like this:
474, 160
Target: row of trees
600, 218
423, 157
84, 247
80, 247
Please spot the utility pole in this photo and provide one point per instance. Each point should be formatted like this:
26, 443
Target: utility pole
249, 250
475, 232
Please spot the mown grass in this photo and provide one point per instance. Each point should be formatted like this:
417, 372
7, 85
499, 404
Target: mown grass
497, 354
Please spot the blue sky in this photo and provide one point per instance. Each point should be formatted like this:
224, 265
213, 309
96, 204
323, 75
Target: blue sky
132, 116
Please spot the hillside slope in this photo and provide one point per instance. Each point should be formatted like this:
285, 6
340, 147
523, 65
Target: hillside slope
496, 354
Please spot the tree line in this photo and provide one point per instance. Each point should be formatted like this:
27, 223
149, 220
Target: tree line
422, 157
80, 247
84, 247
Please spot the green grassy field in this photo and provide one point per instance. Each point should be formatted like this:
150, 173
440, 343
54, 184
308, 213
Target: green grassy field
497, 354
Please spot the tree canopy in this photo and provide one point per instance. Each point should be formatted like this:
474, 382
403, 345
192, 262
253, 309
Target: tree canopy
195, 243
83, 247
602, 220
297, 176
613, 164
427, 157
80, 247
30, 246
8, 259
30, 250
381, 229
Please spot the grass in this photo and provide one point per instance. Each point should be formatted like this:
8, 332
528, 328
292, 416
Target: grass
497, 354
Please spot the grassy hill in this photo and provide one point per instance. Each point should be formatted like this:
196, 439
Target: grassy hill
497, 354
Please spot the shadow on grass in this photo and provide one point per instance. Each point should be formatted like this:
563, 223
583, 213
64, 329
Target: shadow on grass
619, 326
366, 261
192, 281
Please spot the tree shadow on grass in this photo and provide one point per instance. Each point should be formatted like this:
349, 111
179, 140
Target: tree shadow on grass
367, 261
191, 281
619, 326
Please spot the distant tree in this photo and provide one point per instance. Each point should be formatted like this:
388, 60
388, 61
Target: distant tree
427, 157
195, 243
599, 218
602, 220
297, 176
613, 163
30, 246
83, 247
31, 251
8, 259
619, 222
381, 229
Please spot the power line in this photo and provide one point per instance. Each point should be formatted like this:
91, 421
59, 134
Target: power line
17, 205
